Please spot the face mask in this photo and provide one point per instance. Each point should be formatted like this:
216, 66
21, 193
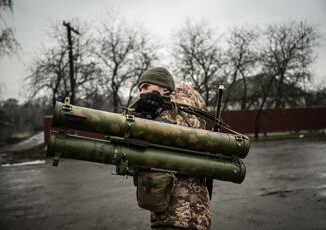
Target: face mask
149, 105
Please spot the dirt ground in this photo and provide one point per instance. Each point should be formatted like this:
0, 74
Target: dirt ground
285, 188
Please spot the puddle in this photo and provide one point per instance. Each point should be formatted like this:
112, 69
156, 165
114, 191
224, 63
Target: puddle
24, 163
321, 187
322, 175
322, 193
281, 193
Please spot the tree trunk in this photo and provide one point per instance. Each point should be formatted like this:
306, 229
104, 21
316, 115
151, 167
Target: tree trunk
244, 96
259, 113
279, 92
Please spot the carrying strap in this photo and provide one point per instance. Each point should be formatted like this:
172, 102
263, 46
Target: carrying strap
179, 108
198, 113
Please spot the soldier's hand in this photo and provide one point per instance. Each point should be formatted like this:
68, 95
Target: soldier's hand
150, 103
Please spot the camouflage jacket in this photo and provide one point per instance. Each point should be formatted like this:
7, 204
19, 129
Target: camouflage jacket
189, 206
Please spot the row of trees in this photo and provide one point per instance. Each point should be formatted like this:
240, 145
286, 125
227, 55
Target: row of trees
267, 67
17, 118
260, 67
257, 64
107, 65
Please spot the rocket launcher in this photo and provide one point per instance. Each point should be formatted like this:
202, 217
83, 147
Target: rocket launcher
130, 156
113, 124
136, 144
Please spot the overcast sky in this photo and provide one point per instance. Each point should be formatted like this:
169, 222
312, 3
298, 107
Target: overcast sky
32, 18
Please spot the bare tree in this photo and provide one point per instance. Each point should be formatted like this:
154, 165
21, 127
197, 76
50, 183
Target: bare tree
289, 56
242, 59
8, 42
198, 58
6, 4
286, 61
316, 97
12, 121
48, 74
50, 69
144, 58
124, 53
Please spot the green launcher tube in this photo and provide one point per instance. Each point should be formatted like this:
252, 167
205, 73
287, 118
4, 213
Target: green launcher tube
127, 157
113, 124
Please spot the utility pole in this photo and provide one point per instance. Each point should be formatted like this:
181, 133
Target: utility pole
71, 60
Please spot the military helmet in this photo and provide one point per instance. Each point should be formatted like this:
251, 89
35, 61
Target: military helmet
158, 76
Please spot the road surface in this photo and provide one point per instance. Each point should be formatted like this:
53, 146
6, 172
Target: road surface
285, 188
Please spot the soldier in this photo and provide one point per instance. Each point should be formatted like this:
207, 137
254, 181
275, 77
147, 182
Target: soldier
175, 201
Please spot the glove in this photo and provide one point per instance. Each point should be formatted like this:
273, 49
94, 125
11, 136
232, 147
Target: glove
149, 105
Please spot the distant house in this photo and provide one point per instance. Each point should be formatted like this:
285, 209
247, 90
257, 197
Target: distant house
250, 97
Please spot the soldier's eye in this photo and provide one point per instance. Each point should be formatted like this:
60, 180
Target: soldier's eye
144, 86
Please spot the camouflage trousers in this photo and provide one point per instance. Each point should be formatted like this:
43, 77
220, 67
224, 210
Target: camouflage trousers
189, 207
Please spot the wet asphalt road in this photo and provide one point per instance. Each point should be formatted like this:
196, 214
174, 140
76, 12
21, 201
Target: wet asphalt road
285, 188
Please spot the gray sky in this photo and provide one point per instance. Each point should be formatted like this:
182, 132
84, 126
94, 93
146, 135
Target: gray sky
32, 18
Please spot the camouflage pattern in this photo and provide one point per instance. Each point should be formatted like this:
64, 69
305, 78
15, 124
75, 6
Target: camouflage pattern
76, 117
154, 189
186, 95
189, 207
